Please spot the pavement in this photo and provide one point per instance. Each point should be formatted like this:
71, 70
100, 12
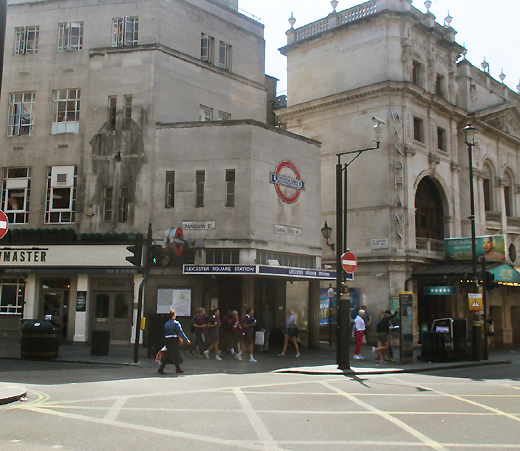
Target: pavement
320, 361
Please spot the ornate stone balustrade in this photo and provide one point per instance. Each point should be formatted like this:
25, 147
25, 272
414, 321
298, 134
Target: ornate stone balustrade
493, 216
430, 245
513, 222
333, 20
352, 14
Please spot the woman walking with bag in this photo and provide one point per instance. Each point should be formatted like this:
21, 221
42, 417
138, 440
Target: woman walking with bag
290, 332
175, 337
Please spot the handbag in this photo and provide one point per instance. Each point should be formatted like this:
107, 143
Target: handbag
292, 330
181, 341
259, 338
160, 355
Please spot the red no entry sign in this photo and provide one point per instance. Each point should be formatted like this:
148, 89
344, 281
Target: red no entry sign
4, 224
349, 262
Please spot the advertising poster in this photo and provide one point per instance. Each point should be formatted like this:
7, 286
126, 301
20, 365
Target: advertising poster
178, 299
324, 307
493, 247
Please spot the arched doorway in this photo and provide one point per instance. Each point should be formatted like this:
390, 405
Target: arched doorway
429, 214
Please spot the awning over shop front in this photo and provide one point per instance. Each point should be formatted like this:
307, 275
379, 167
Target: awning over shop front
504, 274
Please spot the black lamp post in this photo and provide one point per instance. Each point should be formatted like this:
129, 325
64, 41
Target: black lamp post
343, 307
326, 231
469, 140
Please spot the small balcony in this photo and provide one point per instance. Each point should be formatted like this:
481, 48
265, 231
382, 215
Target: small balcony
434, 248
513, 223
494, 216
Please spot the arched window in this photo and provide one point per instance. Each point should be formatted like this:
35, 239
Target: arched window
508, 194
487, 179
429, 215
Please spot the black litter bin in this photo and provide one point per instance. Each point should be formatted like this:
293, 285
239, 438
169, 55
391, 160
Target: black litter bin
100, 342
40, 340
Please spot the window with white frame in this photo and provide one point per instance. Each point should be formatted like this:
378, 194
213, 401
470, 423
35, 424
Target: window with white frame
170, 190
223, 116
70, 36
487, 185
127, 112
125, 31
61, 195
26, 40
107, 203
205, 113
224, 56
65, 111
200, 180
16, 184
508, 194
207, 47
418, 129
20, 119
12, 295
441, 139
123, 204
112, 112
230, 187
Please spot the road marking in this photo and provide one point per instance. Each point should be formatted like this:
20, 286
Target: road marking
116, 408
254, 419
423, 438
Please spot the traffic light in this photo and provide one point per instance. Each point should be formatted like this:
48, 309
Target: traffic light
137, 250
159, 256
490, 282
344, 295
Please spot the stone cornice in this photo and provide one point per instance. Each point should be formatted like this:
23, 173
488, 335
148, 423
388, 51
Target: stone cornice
389, 88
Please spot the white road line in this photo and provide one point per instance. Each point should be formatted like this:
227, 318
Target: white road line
116, 408
254, 419
249, 445
423, 438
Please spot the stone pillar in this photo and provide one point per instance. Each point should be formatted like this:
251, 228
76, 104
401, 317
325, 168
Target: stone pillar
314, 314
30, 310
81, 329
248, 294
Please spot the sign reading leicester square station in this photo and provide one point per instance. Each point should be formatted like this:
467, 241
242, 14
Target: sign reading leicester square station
287, 181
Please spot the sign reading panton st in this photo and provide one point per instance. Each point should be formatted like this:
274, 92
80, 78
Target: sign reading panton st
287, 181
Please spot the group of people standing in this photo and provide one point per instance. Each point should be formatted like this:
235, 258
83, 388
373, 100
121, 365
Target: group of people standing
227, 334
216, 335
362, 322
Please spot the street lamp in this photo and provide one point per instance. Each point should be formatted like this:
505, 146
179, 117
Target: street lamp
469, 139
326, 231
343, 339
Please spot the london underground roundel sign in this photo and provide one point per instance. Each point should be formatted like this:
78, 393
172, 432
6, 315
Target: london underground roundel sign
178, 241
287, 182
4, 224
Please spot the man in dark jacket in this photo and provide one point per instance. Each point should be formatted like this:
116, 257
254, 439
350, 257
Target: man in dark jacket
383, 330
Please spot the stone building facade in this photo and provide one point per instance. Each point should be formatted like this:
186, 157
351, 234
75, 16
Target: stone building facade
120, 114
386, 59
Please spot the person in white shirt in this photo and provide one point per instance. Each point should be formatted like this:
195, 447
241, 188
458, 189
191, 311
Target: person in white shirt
359, 332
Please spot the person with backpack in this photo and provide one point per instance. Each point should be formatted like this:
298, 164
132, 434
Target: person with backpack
198, 325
